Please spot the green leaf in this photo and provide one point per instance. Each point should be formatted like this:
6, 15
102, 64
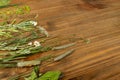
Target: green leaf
27, 8
50, 75
34, 75
4, 2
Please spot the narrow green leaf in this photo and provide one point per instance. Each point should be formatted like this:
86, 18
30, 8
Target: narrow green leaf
34, 75
50, 75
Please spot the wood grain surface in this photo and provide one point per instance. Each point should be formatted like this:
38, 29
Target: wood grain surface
68, 20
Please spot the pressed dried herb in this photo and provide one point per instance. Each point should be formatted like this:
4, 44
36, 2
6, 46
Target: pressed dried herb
8, 30
25, 52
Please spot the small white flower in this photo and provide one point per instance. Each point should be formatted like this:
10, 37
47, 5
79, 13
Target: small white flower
43, 31
36, 43
33, 22
30, 43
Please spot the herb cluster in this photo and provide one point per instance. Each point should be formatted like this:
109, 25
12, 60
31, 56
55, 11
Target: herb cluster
18, 40
25, 44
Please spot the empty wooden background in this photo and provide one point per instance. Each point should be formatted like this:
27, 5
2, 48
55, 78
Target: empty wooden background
97, 20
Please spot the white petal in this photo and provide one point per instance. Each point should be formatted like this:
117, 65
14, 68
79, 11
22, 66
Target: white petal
36, 43
30, 43
33, 22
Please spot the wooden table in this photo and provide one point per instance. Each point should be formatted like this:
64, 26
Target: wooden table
97, 20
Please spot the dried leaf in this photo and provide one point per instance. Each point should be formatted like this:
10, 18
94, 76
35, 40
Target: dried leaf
28, 63
64, 55
63, 46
